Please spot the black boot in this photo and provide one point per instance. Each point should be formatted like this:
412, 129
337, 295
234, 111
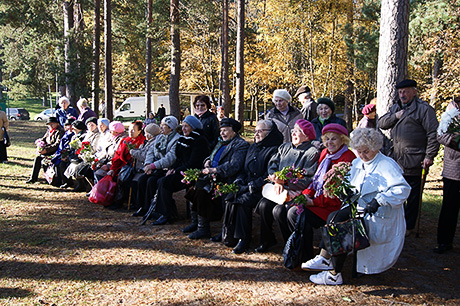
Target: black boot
241, 247
81, 185
203, 231
140, 212
193, 225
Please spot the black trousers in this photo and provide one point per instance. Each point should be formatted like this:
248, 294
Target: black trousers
167, 185
448, 216
147, 188
341, 215
312, 221
412, 203
265, 210
3, 155
36, 167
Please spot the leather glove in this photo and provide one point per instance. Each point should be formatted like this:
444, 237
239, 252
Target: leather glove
371, 207
238, 182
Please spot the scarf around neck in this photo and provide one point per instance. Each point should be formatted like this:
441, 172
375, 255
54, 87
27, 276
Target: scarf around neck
318, 179
219, 144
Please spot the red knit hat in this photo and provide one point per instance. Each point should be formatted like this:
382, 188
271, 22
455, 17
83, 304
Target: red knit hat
307, 128
369, 108
335, 128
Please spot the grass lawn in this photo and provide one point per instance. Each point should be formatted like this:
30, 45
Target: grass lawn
57, 248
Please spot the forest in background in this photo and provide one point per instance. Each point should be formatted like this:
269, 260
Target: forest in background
331, 46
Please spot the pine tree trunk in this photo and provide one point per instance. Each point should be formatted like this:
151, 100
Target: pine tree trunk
175, 59
349, 91
393, 42
95, 89
148, 59
68, 25
225, 85
108, 59
239, 103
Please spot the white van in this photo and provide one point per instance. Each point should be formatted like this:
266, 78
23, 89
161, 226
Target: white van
134, 107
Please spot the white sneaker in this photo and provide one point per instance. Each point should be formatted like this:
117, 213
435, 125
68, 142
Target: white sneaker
319, 263
326, 278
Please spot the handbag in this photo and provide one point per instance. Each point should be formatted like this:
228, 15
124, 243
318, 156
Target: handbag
6, 138
126, 173
205, 182
292, 253
344, 237
102, 193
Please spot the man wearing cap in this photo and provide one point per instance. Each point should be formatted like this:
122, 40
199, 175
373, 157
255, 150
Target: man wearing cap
46, 145
413, 127
283, 114
309, 105
66, 111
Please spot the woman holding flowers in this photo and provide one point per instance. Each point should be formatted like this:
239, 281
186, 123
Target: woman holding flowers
319, 205
449, 136
291, 156
224, 163
383, 191
238, 207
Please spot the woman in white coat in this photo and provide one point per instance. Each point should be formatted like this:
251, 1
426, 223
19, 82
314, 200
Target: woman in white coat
383, 191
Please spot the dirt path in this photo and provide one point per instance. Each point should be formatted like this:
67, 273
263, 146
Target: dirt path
56, 248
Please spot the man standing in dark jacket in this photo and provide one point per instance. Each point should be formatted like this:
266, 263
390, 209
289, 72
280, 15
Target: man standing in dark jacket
309, 105
413, 127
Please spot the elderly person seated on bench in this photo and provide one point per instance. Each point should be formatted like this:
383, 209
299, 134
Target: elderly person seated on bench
383, 190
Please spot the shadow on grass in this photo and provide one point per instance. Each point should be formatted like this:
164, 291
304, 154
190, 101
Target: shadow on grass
6, 293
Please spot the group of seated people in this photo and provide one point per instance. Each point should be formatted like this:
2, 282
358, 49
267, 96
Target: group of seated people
161, 155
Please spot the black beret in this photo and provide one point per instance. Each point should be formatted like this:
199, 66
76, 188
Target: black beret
91, 119
406, 83
326, 101
79, 125
51, 119
301, 90
235, 125
69, 121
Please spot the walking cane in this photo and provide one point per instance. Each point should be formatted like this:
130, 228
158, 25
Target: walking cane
424, 175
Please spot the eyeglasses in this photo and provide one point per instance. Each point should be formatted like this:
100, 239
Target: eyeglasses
260, 131
295, 131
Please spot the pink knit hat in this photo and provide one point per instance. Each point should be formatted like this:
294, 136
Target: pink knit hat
369, 108
117, 127
335, 128
307, 128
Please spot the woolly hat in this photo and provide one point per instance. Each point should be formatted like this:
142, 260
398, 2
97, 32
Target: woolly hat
79, 125
105, 121
194, 122
302, 90
51, 119
235, 125
283, 94
369, 108
91, 119
170, 121
406, 83
307, 128
152, 129
335, 128
327, 102
117, 127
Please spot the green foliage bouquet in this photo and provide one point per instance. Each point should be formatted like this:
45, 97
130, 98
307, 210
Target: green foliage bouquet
222, 189
290, 174
190, 175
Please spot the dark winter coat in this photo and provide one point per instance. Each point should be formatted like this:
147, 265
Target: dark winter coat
52, 140
413, 135
308, 110
191, 151
319, 125
231, 161
210, 127
63, 146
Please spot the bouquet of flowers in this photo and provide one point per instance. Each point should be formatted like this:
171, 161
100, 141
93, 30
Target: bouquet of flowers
129, 145
95, 163
190, 175
290, 174
450, 123
85, 152
222, 189
75, 144
300, 202
40, 145
337, 184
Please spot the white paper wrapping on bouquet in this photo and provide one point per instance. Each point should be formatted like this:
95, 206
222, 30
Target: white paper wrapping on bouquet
268, 192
